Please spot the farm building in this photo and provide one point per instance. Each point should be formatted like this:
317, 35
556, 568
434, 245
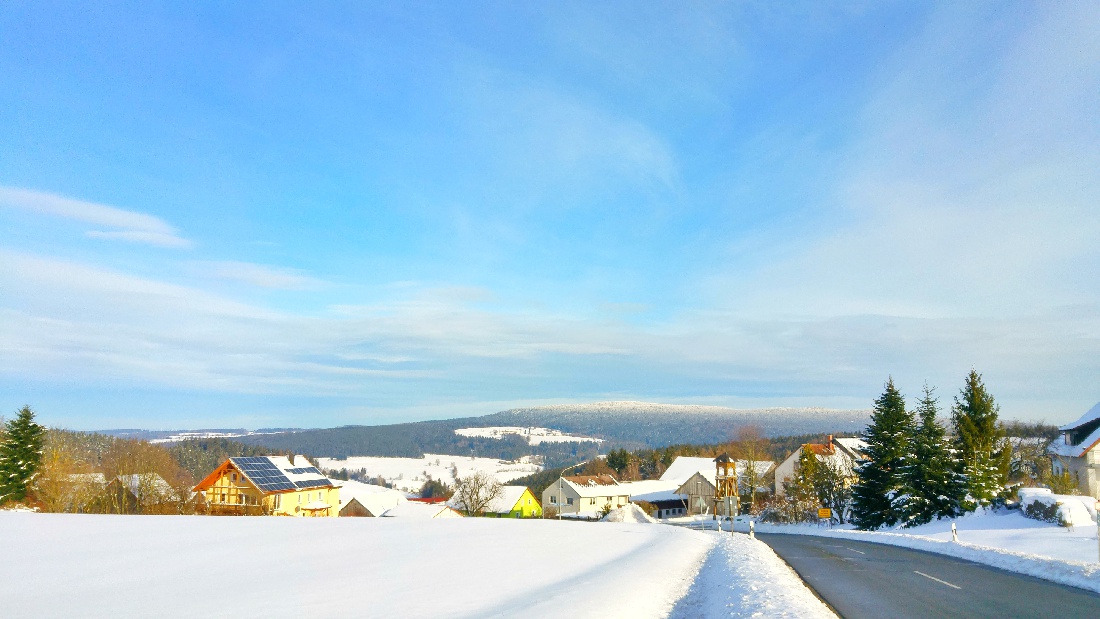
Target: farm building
366, 500
274, 485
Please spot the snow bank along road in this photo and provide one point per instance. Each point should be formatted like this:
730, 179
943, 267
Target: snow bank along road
71, 565
861, 579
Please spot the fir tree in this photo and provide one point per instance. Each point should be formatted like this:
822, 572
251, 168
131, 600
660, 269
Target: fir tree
982, 452
880, 491
20, 455
934, 484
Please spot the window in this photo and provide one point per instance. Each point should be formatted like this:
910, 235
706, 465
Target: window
299, 499
553, 500
233, 477
569, 500
223, 497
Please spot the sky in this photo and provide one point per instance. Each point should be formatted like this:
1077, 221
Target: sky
308, 215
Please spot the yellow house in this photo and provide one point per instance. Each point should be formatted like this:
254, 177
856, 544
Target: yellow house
513, 502
273, 485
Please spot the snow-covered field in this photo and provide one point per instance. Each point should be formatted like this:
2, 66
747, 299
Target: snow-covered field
73, 565
1006, 540
409, 474
533, 436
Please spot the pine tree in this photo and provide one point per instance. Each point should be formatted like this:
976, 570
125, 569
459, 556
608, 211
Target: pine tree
879, 494
934, 484
801, 501
20, 455
980, 443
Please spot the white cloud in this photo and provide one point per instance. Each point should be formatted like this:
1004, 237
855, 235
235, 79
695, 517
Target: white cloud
126, 225
259, 275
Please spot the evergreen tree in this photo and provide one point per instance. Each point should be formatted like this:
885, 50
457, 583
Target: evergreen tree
983, 453
20, 455
934, 484
800, 502
879, 494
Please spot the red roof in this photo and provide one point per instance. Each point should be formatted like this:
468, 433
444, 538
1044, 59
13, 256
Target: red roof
430, 500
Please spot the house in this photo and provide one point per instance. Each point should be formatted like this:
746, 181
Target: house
274, 485
513, 502
358, 499
843, 453
585, 495
142, 493
1078, 452
421, 511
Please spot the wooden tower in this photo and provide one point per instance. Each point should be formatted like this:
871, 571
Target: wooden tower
725, 485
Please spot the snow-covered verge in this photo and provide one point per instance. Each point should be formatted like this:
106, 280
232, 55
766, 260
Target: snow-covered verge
743, 577
1008, 541
73, 565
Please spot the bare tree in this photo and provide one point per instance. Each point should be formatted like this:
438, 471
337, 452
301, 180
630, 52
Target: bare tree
476, 492
751, 447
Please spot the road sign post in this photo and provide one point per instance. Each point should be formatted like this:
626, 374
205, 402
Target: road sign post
825, 513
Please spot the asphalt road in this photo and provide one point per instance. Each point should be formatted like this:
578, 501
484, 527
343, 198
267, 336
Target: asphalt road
875, 581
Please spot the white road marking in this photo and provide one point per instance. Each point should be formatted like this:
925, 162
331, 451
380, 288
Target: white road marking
942, 582
854, 550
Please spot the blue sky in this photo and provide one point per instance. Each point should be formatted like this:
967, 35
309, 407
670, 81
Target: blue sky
302, 215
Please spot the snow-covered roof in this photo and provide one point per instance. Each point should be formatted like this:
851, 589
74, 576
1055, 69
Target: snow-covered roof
146, 484
421, 511
593, 490
509, 496
855, 445
683, 467
1092, 415
651, 490
376, 499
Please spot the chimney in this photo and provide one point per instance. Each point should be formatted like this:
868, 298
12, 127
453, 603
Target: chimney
829, 445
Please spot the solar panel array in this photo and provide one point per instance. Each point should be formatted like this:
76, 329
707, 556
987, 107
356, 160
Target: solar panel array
264, 474
313, 483
304, 470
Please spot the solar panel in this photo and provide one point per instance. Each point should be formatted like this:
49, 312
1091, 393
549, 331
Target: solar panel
304, 470
313, 483
263, 473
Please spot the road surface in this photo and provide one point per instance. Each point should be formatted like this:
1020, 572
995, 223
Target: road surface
875, 581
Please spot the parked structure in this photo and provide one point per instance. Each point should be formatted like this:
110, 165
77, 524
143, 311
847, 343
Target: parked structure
840, 452
1078, 452
273, 485
585, 495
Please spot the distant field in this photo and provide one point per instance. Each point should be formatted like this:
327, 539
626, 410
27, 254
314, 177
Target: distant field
409, 474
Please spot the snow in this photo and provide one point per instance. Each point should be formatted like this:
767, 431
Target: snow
683, 467
1092, 414
377, 499
743, 577
409, 474
1076, 510
1003, 539
533, 436
421, 511
176, 566
628, 513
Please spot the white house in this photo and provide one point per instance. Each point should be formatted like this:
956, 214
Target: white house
421, 511
1078, 452
840, 452
585, 495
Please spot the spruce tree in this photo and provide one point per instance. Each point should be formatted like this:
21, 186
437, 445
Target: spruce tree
934, 484
20, 455
879, 494
979, 441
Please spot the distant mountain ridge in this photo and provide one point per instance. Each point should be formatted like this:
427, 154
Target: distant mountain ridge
632, 425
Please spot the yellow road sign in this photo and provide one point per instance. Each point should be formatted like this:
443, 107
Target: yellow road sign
824, 512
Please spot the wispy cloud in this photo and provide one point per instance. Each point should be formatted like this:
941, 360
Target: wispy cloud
129, 226
260, 275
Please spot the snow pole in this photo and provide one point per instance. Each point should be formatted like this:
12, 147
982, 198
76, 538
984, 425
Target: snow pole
752, 529
954, 533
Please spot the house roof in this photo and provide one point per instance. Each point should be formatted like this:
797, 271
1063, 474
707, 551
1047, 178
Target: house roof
683, 467
592, 480
592, 490
146, 484
1092, 415
272, 474
651, 490
376, 499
